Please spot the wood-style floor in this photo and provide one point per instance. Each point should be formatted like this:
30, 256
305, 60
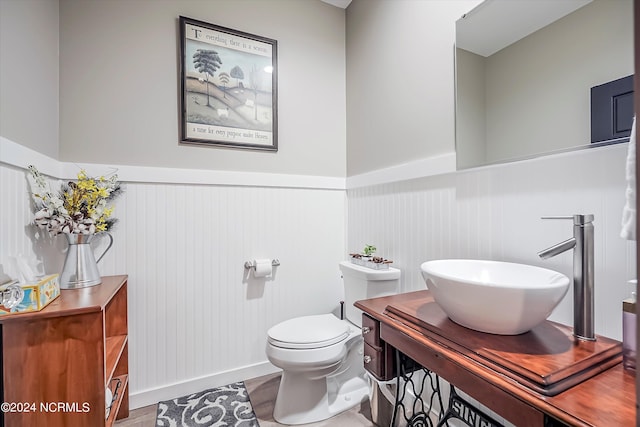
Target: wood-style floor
262, 392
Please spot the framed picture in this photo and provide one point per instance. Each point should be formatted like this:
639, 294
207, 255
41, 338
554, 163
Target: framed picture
229, 87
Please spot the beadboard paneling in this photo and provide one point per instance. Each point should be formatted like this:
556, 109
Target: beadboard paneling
197, 320
195, 316
494, 213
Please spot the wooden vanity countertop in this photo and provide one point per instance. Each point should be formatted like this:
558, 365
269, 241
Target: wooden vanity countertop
539, 375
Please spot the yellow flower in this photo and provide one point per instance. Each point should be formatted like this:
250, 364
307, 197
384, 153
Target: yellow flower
78, 205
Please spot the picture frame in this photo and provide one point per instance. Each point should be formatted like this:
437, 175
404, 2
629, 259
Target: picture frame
229, 88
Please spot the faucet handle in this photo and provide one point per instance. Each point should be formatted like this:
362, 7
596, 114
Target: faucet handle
577, 219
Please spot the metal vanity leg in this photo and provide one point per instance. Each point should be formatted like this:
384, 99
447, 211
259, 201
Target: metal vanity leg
460, 409
425, 388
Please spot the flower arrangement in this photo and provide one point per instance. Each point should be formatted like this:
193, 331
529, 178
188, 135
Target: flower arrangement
77, 207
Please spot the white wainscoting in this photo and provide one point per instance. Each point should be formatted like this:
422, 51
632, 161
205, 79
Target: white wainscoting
494, 213
195, 319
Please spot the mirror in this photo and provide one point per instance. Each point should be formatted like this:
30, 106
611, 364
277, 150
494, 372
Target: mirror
524, 73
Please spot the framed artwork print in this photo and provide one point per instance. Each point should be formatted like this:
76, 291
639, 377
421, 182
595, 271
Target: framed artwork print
229, 87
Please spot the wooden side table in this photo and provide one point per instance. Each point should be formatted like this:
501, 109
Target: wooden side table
58, 362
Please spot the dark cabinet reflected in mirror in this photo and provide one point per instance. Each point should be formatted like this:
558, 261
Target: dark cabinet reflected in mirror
612, 111
525, 70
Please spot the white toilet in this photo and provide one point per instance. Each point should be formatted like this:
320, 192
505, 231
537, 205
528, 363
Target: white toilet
321, 356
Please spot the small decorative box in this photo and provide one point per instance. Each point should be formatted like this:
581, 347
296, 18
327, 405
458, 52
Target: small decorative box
36, 295
375, 263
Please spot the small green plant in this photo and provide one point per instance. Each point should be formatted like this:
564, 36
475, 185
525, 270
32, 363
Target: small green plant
369, 250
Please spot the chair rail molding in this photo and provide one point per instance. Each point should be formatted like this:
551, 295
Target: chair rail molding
17, 155
430, 166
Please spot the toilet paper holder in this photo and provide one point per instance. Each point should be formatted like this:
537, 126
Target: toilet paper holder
251, 264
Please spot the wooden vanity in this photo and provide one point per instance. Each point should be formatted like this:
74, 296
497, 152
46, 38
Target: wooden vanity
542, 378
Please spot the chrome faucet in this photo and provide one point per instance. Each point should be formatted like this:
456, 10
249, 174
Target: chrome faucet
583, 272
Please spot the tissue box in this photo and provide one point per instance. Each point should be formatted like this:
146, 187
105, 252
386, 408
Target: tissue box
36, 295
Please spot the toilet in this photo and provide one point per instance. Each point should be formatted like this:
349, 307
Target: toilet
321, 356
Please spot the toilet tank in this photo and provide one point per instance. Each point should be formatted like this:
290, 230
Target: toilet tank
364, 283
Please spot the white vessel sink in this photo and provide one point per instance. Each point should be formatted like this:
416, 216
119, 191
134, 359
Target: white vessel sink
492, 296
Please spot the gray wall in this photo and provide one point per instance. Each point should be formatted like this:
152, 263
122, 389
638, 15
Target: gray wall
471, 143
400, 96
546, 79
119, 79
29, 74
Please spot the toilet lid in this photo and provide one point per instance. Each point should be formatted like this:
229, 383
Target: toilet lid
309, 332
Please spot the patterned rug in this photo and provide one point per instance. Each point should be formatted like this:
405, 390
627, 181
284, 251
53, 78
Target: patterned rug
223, 406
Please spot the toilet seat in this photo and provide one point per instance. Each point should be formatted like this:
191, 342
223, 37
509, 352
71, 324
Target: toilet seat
309, 332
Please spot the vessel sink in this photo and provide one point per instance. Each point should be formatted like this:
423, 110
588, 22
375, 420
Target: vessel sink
492, 296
